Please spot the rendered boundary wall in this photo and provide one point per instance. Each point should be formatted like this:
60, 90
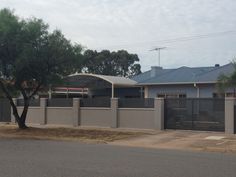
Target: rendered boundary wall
114, 117
142, 118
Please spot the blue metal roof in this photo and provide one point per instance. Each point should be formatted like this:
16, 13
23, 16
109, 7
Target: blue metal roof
184, 75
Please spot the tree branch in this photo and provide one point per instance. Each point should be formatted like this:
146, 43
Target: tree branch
23, 92
35, 91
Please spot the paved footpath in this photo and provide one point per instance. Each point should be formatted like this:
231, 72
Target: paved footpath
39, 158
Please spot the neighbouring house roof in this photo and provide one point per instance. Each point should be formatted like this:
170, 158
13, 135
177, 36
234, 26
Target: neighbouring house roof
96, 80
184, 75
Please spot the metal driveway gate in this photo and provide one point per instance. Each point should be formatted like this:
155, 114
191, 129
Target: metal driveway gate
235, 119
206, 114
5, 111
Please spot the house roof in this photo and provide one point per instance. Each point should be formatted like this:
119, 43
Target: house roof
184, 75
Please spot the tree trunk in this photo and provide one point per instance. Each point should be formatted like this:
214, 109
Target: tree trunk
19, 119
21, 122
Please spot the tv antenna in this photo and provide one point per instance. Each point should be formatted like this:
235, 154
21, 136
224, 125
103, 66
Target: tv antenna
158, 49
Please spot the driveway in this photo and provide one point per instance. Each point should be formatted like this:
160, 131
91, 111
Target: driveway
40, 158
184, 140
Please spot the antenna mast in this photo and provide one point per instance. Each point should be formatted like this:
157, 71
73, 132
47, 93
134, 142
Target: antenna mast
158, 49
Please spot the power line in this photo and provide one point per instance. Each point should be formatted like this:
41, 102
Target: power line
177, 39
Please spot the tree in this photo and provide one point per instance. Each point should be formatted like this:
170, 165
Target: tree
31, 58
119, 63
227, 81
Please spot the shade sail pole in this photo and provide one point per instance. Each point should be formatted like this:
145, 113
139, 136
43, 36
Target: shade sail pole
112, 91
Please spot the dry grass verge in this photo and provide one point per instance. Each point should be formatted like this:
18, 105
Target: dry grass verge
70, 134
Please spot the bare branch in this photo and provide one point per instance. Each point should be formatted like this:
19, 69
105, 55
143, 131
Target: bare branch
35, 91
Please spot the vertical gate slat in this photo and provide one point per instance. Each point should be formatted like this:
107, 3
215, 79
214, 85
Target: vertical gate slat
206, 114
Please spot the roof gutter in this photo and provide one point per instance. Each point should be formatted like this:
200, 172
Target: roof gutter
177, 83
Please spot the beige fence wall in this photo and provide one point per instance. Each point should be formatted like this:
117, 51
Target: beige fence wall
33, 116
95, 117
140, 118
59, 116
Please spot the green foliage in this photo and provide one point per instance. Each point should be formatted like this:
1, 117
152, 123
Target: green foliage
119, 63
31, 56
226, 81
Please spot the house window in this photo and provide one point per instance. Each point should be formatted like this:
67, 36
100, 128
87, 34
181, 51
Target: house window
218, 95
172, 95
230, 94
182, 96
222, 95
161, 95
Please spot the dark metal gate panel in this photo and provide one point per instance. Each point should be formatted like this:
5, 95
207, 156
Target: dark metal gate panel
206, 114
5, 111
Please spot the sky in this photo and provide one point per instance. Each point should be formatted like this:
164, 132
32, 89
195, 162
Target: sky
141, 25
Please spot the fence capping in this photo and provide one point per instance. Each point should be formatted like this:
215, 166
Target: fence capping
230, 98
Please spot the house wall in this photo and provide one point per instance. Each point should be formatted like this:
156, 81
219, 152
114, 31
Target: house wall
205, 90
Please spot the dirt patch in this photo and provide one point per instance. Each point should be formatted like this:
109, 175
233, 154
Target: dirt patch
226, 146
184, 140
71, 134
181, 140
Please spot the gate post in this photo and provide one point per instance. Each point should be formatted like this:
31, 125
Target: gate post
76, 112
159, 113
229, 115
43, 110
114, 112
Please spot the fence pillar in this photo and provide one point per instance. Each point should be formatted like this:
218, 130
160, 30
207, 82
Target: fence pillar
76, 112
159, 113
229, 115
114, 112
13, 119
43, 110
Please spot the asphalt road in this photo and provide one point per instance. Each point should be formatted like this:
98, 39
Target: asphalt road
37, 158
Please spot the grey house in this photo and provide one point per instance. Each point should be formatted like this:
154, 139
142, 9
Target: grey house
183, 82
196, 82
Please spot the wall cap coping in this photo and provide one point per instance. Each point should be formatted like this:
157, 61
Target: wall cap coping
159, 99
230, 98
76, 99
58, 107
114, 98
43, 98
30, 107
138, 109
95, 108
